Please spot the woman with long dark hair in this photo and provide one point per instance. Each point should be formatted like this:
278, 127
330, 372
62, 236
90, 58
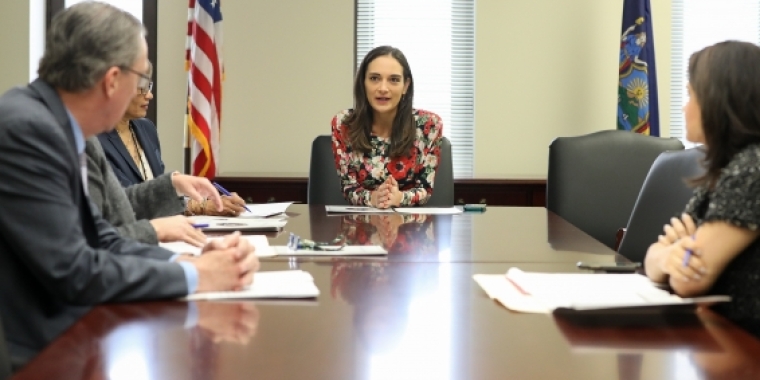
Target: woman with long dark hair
713, 248
386, 152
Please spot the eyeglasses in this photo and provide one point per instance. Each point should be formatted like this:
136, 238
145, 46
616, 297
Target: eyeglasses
295, 243
145, 90
144, 81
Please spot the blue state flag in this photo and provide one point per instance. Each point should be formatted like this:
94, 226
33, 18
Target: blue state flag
637, 86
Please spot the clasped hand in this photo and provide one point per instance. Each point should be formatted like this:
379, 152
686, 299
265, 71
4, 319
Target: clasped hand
387, 194
226, 264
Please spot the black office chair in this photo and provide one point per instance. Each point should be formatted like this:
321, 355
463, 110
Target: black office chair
324, 181
5, 358
443, 186
594, 179
663, 196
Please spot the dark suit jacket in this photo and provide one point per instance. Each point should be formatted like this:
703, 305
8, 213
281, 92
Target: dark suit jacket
125, 168
57, 254
129, 209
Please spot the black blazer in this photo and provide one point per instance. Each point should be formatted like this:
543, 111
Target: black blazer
125, 168
58, 256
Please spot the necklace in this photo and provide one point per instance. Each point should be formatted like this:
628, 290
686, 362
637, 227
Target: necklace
144, 172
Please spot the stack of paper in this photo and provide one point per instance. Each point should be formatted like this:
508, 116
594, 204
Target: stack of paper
544, 292
275, 284
259, 242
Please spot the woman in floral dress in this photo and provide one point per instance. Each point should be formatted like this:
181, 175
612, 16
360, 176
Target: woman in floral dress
386, 152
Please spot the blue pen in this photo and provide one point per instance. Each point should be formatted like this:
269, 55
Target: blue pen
687, 256
200, 225
227, 193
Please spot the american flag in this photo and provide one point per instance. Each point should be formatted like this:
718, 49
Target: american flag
203, 62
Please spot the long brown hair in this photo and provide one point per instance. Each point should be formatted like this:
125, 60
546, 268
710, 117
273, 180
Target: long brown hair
359, 122
725, 78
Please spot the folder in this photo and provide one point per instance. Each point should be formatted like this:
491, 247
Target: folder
581, 293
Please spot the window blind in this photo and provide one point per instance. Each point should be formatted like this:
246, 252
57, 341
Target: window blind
438, 39
699, 23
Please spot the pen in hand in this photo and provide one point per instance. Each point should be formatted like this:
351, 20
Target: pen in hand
227, 193
687, 256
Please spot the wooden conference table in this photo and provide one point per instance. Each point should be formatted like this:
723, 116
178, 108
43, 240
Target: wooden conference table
415, 315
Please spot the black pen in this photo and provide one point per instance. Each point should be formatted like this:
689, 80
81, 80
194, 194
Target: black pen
227, 193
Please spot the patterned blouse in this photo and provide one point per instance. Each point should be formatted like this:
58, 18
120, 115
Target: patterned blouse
735, 199
415, 173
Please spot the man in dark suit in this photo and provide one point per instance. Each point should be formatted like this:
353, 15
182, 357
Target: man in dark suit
57, 255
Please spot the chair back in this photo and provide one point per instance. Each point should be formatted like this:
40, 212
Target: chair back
663, 196
594, 179
5, 359
443, 186
324, 181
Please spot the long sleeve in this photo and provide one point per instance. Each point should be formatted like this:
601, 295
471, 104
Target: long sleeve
156, 198
44, 225
427, 149
348, 170
109, 197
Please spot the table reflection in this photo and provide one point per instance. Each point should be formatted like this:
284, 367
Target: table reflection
404, 234
125, 341
401, 317
702, 345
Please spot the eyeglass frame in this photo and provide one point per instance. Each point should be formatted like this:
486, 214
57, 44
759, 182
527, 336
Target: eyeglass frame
145, 90
296, 243
145, 78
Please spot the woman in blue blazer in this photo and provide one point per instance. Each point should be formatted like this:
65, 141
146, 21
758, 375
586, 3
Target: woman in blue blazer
134, 152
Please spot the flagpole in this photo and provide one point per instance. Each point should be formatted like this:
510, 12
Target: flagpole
186, 150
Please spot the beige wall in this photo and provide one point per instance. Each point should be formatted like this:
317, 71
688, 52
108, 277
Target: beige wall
14, 41
543, 69
289, 70
547, 69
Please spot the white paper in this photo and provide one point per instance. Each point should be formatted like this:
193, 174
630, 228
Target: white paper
429, 210
218, 223
357, 210
543, 292
260, 242
265, 209
288, 284
348, 250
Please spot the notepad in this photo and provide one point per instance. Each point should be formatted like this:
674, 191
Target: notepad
290, 284
225, 224
347, 250
532, 292
260, 242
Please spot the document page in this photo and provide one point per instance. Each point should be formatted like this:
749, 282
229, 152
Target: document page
273, 284
259, 242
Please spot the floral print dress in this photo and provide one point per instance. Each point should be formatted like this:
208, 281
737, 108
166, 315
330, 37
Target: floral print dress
415, 172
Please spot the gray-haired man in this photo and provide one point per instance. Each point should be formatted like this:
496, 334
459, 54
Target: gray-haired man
57, 255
